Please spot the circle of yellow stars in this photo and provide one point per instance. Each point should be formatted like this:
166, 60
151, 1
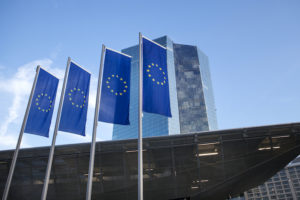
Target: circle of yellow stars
38, 103
78, 91
150, 68
114, 91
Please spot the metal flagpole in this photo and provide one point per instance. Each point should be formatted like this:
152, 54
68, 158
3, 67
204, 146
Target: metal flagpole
140, 136
51, 153
13, 163
93, 145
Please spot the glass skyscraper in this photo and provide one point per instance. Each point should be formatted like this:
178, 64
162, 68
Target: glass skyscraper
191, 96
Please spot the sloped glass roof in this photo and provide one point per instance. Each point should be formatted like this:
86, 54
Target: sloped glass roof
206, 165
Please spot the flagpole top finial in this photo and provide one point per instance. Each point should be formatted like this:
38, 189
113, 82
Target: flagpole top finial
38, 68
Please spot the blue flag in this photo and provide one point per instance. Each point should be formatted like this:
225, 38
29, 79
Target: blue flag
156, 98
115, 92
74, 110
41, 108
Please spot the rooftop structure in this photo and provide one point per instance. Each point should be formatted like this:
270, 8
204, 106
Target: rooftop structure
205, 165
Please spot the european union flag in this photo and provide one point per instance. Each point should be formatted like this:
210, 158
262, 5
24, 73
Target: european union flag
41, 108
156, 98
115, 92
74, 110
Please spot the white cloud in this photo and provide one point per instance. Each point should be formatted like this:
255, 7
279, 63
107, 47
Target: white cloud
93, 93
10, 142
19, 86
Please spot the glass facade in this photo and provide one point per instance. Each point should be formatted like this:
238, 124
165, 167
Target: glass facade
191, 95
207, 91
191, 101
285, 185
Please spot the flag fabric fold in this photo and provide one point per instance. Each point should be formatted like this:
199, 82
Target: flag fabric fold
115, 90
156, 98
75, 104
42, 105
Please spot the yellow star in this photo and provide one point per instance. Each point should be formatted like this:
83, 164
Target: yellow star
125, 82
117, 76
153, 79
121, 79
73, 103
163, 73
126, 86
148, 70
69, 94
39, 96
124, 91
116, 93
112, 75
152, 64
49, 98
70, 99
108, 78
71, 90
157, 82
111, 90
46, 110
37, 104
78, 89
107, 82
80, 106
160, 68
39, 108
43, 110
165, 78
74, 89
149, 75
77, 105
50, 101
149, 66
156, 65
46, 94
121, 93
162, 83
42, 94
108, 86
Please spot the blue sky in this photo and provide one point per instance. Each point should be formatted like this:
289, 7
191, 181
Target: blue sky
253, 49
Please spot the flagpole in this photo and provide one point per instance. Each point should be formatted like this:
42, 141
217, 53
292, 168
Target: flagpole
93, 145
51, 153
14, 160
140, 134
